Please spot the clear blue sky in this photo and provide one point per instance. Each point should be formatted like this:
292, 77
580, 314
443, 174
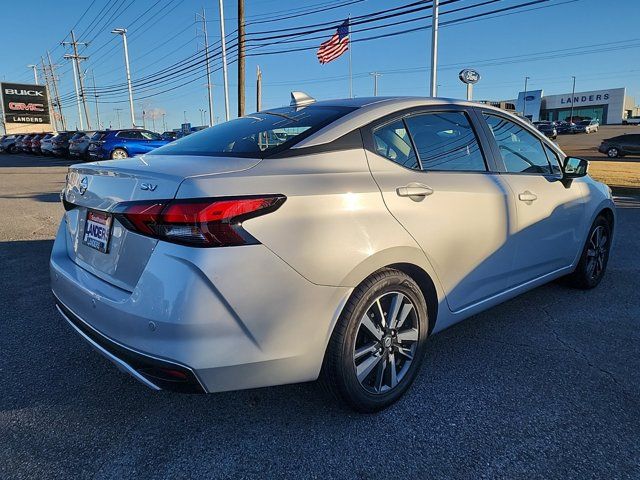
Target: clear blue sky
599, 43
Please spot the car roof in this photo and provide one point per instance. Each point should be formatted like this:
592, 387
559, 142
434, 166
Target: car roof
369, 109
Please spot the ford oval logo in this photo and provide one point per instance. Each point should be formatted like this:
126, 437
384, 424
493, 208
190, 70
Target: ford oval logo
529, 98
469, 76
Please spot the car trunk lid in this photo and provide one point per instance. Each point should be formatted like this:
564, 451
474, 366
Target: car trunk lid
100, 186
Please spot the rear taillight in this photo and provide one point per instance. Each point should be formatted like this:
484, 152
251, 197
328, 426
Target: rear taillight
211, 222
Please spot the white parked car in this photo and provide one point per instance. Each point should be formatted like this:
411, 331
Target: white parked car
325, 239
586, 126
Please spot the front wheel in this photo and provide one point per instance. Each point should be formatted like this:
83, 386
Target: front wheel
119, 154
594, 258
379, 342
613, 152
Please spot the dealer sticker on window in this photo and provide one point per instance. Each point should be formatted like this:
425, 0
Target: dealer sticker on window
96, 230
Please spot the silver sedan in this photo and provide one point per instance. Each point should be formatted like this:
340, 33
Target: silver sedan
320, 240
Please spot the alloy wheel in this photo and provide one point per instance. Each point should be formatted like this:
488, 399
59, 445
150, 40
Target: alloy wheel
386, 342
597, 252
612, 152
118, 154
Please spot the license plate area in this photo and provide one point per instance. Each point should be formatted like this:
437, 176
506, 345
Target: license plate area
97, 230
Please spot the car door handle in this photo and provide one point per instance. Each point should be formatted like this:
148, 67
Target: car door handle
527, 196
414, 191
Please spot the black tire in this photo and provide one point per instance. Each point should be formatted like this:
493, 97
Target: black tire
584, 277
339, 369
613, 152
11, 149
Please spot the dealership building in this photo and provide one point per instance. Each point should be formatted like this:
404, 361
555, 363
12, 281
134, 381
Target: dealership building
610, 106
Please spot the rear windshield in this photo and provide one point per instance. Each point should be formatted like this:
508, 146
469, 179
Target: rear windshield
257, 135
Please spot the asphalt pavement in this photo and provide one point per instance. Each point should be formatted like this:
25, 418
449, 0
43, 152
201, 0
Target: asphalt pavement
544, 386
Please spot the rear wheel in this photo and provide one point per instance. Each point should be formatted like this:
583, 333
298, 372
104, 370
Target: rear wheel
594, 258
378, 345
119, 154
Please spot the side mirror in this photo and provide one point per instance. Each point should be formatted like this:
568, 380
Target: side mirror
575, 167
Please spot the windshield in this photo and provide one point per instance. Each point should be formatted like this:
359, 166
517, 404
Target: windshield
257, 135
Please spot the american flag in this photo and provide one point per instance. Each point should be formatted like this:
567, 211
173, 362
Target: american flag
336, 45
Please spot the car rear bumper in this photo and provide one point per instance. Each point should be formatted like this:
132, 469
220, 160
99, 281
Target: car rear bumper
237, 317
155, 373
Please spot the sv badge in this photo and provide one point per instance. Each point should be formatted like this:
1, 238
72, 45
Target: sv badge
148, 186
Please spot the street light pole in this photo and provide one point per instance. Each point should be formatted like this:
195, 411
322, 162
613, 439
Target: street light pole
524, 98
434, 50
95, 95
123, 33
35, 73
375, 76
573, 92
224, 62
164, 123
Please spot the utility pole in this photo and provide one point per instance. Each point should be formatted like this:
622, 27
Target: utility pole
259, 89
54, 80
75, 84
164, 123
241, 58
434, 50
185, 116
524, 98
118, 117
95, 95
52, 112
207, 64
76, 58
201, 116
144, 125
375, 76
573, 92
123, 33
35, 72
224, 62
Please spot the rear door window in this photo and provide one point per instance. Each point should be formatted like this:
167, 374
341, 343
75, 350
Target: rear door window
445, 141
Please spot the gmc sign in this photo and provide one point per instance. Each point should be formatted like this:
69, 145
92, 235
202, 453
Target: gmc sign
25, 103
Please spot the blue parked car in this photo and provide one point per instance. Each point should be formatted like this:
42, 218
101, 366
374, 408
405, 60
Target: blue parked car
118, 144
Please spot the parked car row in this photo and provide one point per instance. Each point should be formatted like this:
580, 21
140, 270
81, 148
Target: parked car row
552, 129
85, 145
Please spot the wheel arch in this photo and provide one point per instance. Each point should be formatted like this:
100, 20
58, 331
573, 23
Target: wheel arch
607, 213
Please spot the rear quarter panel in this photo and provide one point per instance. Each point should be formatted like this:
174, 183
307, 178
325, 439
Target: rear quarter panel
334, 228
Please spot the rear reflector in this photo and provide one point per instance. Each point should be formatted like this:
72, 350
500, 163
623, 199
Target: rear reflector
200, 222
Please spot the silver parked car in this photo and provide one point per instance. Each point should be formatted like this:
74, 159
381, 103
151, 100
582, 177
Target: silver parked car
325, 239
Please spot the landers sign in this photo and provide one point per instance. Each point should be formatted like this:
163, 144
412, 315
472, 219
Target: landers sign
25, 104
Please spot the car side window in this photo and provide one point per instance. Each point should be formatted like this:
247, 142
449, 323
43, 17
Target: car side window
521, 150
553, 159
392, 141
130, 135
446, 142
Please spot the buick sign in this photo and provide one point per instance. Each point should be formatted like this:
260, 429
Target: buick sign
25, 103
469, 76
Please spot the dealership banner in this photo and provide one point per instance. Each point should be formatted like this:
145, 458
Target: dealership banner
25, 104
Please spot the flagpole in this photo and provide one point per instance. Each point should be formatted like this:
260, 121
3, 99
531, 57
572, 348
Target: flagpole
350, 61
